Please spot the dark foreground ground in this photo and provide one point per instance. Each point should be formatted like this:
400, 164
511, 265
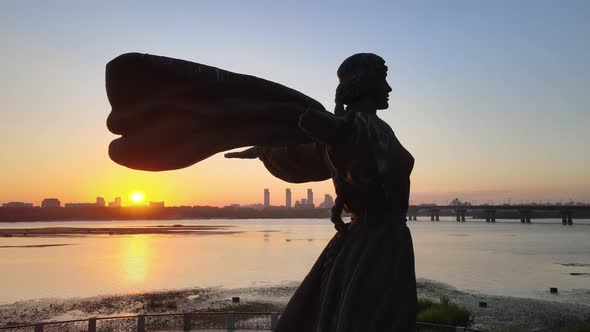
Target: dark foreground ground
502, 313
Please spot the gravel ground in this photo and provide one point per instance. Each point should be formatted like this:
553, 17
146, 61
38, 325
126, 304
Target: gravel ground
502, 314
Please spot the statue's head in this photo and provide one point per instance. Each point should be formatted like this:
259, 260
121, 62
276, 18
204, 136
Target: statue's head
363, 78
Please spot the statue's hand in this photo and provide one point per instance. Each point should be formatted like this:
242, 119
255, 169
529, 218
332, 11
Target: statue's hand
251, 153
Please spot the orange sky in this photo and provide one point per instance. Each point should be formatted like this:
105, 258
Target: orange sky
484, 119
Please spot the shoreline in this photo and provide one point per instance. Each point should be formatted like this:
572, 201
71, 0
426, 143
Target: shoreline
87, 231
503, 313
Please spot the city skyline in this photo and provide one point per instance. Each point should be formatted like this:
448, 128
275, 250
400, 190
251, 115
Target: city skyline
286, 200
490, 99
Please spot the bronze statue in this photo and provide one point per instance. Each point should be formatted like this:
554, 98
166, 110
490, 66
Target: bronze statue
173, 113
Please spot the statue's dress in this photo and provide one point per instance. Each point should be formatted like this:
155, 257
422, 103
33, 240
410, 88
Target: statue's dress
364, 279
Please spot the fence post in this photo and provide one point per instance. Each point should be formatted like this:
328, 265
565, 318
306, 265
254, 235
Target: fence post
274, 318
39, 327
187, 321
141, 323
92, 324
459, 329
231, 320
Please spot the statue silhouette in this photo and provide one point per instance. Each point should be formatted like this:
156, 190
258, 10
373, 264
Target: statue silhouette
173, 113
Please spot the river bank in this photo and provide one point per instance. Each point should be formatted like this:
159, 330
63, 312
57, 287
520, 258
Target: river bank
176, 229
502, 313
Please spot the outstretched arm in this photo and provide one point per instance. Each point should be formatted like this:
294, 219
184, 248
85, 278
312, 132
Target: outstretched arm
326, 127
296, 163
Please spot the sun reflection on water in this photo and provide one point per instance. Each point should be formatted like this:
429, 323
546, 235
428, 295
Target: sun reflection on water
135, 258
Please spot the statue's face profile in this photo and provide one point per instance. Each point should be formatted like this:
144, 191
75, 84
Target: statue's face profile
363, 78
381, 90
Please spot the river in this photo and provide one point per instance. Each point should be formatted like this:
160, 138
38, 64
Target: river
502, 258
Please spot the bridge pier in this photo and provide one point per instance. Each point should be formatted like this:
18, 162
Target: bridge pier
412, 212
490, 215
434, 215
525, 216
460, 215
567, 217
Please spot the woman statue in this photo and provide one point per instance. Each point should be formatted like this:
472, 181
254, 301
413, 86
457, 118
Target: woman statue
364, 279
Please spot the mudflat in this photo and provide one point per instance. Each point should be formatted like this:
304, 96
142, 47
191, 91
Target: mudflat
502, 314
85, 231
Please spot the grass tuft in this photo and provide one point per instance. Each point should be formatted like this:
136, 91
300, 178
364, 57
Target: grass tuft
445, 313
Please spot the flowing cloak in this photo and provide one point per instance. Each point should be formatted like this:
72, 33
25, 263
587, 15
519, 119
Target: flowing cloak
172, 113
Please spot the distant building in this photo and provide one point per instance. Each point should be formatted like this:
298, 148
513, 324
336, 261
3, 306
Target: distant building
457, 202
328, 202
116, 203
266, 197
157, 204
306, 202
303, 203
50, 203
79, 205
100, 202
257, 206
288, 197
17, 205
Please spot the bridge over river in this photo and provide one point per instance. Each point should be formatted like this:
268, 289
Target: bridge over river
566, 212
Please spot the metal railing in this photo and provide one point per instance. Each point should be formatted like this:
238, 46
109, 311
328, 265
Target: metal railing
183, 321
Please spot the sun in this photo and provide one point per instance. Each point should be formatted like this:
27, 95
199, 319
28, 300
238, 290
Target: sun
137, 197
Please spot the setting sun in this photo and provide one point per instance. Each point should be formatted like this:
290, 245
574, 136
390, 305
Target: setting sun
137, 197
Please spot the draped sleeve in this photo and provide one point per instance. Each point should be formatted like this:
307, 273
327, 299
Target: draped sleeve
297, 163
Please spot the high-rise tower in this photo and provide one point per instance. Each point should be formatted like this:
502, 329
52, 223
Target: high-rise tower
266, 197
309, 197
288, 197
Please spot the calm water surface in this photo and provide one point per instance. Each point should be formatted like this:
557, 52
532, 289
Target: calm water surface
502, 258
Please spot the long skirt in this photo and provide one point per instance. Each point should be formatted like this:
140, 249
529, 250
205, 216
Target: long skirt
364, 280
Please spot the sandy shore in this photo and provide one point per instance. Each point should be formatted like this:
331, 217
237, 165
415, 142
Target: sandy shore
85, 231
502, 314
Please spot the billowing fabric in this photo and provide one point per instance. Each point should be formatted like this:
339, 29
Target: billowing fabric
173, 113
364, 280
